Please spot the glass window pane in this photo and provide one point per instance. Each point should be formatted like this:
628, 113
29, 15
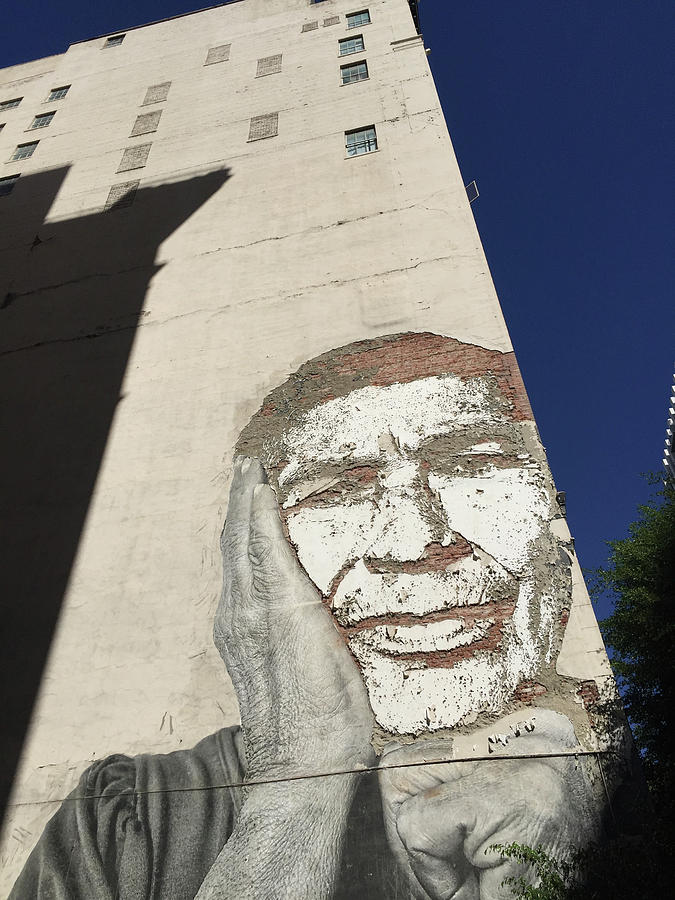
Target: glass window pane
358, 18
42, 120
351, 45
355, 72
362, 141
23, 151
7, 184
58, 93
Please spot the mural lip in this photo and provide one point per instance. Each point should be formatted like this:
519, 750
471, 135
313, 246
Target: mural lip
414, 640
467, 614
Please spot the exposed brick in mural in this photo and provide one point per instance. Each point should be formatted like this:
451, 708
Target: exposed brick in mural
407, 357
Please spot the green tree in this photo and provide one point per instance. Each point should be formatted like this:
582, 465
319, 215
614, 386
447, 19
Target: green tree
640, 576
552, 875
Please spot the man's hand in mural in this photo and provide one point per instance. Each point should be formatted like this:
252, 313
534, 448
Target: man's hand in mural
441, 819
304, 709
303, 704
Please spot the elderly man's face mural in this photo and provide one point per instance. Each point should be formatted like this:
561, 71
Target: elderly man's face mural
415, 493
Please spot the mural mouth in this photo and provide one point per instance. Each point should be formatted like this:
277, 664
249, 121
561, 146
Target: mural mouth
469, 594
436, 639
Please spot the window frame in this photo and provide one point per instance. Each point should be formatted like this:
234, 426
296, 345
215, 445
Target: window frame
52, 99
48, 115
219, 53
134, 162
366, 141
353, 65
264, 61
348, 40
9, 181
18, 157
359, 12
113, 41
146, 123
126, 199
254, 121
10, 104
165, 85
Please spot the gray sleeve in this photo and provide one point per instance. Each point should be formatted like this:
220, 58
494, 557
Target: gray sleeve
136, 828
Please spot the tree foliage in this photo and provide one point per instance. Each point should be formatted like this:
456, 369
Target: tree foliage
622, 869
641, 633
552, 875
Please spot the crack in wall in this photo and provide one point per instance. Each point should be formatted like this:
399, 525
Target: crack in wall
281, 298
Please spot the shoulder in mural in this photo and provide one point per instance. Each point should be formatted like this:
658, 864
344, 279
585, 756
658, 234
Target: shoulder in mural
398, 619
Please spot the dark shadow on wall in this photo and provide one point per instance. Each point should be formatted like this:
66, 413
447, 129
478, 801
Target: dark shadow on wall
71, 298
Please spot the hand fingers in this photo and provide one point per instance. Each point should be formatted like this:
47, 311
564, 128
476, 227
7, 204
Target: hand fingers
401, 776
234, 543
246, 474
269, 551
434, 842
448, 830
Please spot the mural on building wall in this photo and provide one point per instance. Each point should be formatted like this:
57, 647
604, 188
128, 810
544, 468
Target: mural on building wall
395, 598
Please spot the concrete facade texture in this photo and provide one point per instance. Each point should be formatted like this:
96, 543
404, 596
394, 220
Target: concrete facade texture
189, 231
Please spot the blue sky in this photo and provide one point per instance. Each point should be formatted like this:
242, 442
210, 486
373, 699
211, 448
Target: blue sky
562, 112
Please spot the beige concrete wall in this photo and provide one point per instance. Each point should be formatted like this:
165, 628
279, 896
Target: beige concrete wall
299, 251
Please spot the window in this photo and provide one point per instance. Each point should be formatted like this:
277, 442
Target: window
7, 184
58, 93
24, 151
114, 41
121, 195
218, 54
263, 127
269, 65
331, 20
310, 26
156, 93
134, 157
358, 18
146, 123
10, 104
363, 140
42, 120
351, 45
354, 72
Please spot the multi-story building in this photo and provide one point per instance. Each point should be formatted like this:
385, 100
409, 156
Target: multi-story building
191, 212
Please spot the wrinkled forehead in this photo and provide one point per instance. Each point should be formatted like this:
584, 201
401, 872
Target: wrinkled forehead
369, 420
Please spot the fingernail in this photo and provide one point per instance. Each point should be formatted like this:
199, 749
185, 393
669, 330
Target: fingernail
245, 465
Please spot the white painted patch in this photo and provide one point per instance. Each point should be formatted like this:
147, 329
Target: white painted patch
392, 527
502, 511
327, 538
401, 695
487, 447
353, 425
362, 594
